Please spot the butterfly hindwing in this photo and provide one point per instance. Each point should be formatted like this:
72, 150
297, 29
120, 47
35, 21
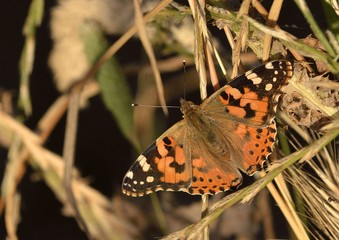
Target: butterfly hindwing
209, 177
256, 144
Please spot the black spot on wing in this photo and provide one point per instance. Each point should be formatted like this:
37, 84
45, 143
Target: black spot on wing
179, 168
249, 111
167, 141
224, 95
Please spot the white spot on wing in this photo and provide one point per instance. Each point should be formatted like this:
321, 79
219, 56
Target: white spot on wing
149, 191
251, 75
140, 194
269, 66
257, 80
129, 174
142, 159
149, 179
268, 87
143, 163
276, 98
254, 78
146, 167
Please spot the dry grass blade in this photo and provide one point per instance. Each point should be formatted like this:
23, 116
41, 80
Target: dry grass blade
9, 189
68, 156
229, 36
201, 37
212, 71
271, 22
333, 125
17, 165
204, 210
255, 42
297, 45
242, 37
139, 22
45, 126
93, 206
285, 203
315, 183
319, 194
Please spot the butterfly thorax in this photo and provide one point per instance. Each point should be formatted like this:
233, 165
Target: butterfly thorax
186, 107
201, 127
192, 114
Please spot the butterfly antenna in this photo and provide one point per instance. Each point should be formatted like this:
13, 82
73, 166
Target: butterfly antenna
155, 106
184, 66
151, 106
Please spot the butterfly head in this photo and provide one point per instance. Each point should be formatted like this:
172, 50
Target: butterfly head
187, 107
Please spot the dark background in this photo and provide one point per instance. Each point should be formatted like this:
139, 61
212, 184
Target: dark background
110, 155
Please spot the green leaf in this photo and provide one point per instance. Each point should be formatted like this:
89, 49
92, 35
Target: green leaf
114, 89
33, 20
331, 18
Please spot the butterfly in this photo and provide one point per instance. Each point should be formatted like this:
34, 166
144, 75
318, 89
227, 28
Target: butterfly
232, 129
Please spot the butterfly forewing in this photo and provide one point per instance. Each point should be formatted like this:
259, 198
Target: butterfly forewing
163, 166
252, 98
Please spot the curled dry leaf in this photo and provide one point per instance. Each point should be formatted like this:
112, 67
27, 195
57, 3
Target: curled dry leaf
311, 101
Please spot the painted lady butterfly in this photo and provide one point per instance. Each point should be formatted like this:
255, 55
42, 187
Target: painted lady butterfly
232, 129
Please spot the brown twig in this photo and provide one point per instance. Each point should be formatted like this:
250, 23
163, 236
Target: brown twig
68, 155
